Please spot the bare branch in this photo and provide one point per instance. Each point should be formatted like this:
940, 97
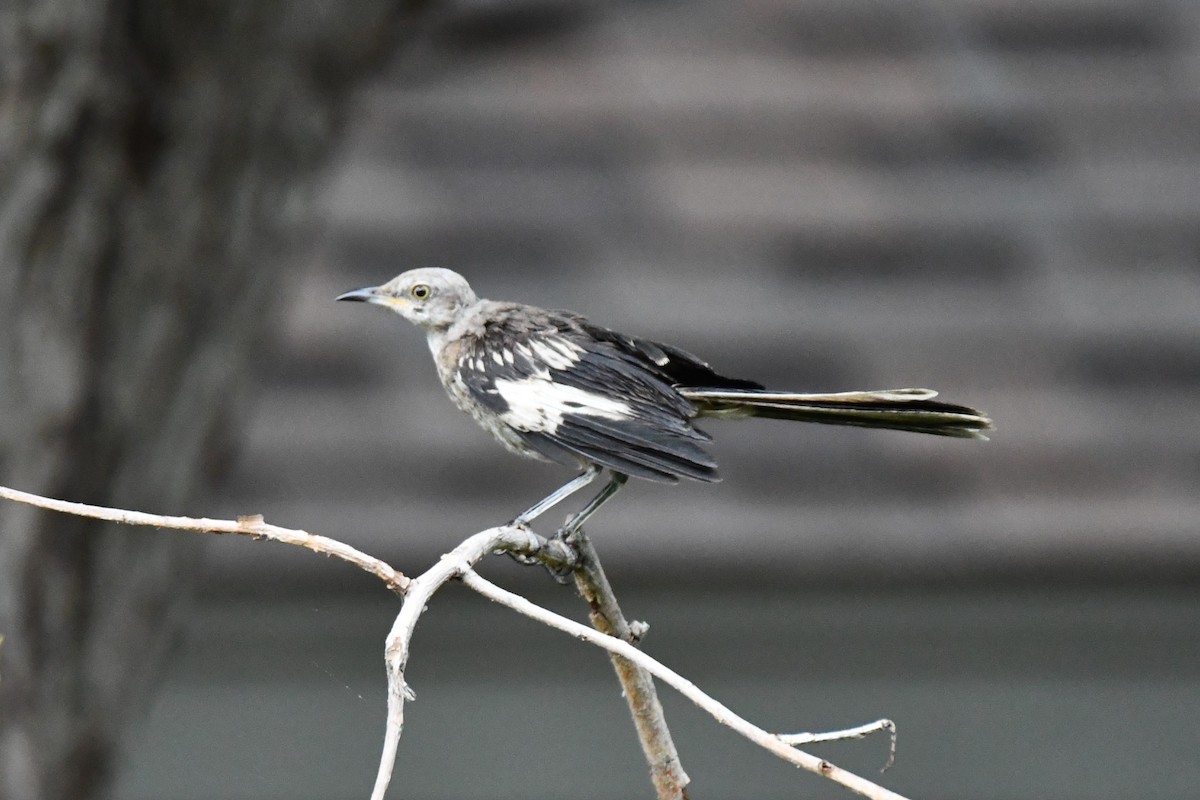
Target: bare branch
577, 557
252, 525
666, 772
719, 711
459, 564
420, 589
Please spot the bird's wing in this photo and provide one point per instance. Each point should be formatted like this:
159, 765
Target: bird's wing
572, 396
677, 366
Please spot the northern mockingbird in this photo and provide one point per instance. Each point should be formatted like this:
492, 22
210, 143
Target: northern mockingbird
552, 386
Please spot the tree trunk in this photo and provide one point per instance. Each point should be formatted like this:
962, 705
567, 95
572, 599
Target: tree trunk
149, 153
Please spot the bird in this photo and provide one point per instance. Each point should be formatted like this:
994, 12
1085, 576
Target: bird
553, 386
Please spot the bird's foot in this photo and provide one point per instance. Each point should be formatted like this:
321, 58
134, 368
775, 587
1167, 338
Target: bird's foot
553, 553
564, 572
522, 558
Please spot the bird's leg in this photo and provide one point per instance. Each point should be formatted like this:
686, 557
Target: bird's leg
564, 574
581, 516
557, 496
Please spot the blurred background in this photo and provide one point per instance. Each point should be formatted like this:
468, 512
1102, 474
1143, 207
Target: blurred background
997, 199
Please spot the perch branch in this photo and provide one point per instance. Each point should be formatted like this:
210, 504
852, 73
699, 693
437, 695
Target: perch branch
458, 564
578, 558
666, 772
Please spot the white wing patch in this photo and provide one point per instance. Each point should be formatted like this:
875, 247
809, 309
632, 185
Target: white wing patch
556, 353
539, 404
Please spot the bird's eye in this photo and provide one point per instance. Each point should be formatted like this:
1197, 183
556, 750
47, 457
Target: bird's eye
419, 292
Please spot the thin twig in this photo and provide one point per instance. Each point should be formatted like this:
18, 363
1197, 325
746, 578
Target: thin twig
857, 732
715, 708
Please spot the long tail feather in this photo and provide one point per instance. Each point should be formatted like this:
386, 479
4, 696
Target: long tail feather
895, 409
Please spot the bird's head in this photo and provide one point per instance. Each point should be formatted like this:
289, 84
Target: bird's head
432, 298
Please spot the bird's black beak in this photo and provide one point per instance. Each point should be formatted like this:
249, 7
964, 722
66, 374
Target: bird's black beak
359, 295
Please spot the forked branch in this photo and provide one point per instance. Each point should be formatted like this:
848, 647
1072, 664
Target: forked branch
459, 564
722, 714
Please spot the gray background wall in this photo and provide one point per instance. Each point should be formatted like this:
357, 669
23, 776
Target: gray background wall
1000, 200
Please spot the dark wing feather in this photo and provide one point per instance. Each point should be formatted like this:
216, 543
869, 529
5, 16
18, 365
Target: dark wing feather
578, 396
716, 395
678, 367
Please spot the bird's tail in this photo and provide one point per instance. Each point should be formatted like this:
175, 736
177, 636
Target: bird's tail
896, 409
